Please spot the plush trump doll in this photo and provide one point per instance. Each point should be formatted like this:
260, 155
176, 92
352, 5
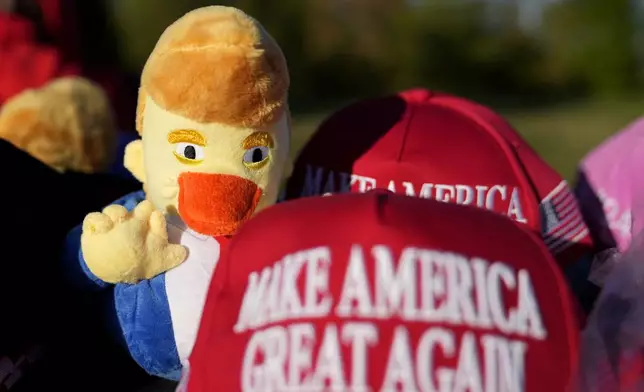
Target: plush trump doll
215, 129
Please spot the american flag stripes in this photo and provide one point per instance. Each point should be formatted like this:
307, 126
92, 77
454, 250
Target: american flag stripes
561, 222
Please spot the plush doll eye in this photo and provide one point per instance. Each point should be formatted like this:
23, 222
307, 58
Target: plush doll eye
256, 157
189, 152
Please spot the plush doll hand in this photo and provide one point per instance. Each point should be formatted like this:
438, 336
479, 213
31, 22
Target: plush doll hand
126, 247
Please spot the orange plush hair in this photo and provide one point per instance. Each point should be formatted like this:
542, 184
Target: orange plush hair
66, 124
217, 64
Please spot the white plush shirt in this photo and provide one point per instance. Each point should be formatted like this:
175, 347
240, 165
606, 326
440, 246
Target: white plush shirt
187, 285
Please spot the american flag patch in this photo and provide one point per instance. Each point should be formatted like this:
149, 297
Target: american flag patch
561, 222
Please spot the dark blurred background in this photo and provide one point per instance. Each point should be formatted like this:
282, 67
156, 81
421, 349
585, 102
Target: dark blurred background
567, 73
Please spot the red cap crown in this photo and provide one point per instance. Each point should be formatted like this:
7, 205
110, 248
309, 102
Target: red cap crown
445, 148
376, 291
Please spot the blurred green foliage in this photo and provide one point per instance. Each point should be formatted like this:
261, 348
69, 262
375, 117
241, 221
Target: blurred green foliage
340, 50
137, 25
592, 43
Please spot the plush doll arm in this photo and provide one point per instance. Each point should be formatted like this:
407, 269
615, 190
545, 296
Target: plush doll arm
75, 266
146, 326
142, 310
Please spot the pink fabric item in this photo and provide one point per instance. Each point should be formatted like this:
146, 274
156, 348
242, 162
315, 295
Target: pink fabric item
610, 191
612, 344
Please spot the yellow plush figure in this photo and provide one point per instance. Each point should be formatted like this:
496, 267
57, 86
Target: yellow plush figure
215, 133
67, 124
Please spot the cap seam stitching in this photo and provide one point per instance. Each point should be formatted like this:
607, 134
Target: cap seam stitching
409, 116
513, 160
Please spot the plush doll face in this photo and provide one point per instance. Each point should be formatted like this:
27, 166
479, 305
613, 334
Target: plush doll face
213, 117
214, 176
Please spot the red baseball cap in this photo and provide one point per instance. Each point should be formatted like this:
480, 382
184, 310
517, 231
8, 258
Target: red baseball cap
371, 291
446, 148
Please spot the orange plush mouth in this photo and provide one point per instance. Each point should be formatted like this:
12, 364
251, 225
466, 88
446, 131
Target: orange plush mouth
216, 204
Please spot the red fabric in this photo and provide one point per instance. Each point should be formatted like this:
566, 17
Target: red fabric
62, 25
442, 147
319, 241
27, 63
14, 29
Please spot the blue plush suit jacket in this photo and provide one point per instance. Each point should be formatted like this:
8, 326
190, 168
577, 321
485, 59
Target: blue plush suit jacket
140, 312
